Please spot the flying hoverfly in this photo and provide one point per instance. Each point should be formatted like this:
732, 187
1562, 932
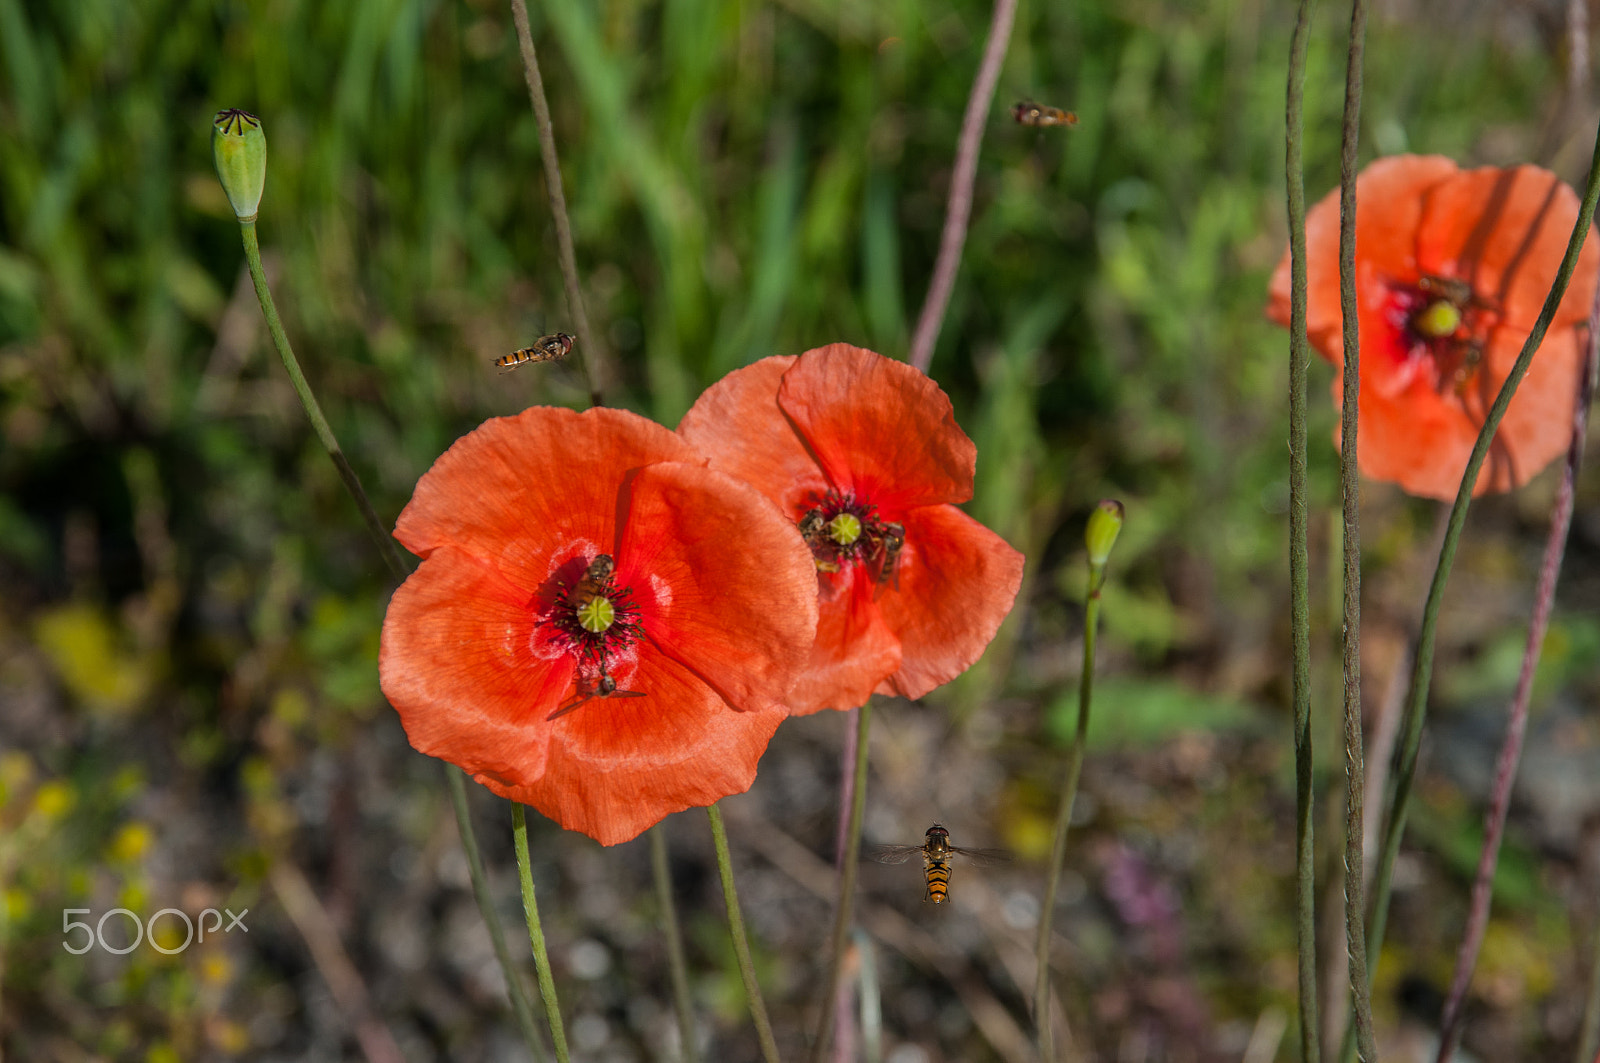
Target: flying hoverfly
604, 687
544, 349
1037, 114
937, 854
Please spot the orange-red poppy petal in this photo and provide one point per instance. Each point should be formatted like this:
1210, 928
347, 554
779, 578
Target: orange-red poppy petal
546, 475
956, 581
1506, 231
616, 766
879, 427
465, 664
1537, 427
1421, 439
854, 651
738, 424
1389, 203
723, 581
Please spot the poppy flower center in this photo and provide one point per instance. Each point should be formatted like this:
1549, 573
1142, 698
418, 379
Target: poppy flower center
595, 617
844, 531
1442, 324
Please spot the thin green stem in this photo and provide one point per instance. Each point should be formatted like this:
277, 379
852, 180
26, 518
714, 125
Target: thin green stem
480, 892
594, 359
530, 909
319, 423
681, 1000
843, 911
397, 571
1069, 793
1299, 555
1422, 669
871, 999
1589, 1036
741, 944
1355, 908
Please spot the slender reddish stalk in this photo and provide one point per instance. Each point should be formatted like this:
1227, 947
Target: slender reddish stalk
594, 363
960, 206
844, 906
1505, 771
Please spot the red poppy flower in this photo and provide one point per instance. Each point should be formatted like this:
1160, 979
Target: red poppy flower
514, 654
863, 453
1452, 268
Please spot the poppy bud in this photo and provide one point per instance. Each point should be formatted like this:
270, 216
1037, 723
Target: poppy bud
1104, 525
240, 150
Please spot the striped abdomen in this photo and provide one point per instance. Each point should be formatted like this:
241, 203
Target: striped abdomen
938, 879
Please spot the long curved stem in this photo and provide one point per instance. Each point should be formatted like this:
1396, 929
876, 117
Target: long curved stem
1422, 669
741, 944
1517, 720
1069, 793
681, 999
959, 209
844, 906
308, 399
530, 910
1299, 555
397, 571
594, 359
1355, 907
480, 892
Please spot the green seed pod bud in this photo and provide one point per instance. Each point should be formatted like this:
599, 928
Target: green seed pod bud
1104, 525
240, 149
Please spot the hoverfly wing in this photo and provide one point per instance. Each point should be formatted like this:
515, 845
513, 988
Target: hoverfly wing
982, 857
578, 701
575, 703
893, 854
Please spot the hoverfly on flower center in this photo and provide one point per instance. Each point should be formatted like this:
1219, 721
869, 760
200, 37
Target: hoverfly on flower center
843, 531
1443, 320
594, 617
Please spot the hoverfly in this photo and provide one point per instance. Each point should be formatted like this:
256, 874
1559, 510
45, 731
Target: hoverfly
595, 583
1453, 289
1037, 114
811, 526
890, 545
544, 349
604, 687
937, 854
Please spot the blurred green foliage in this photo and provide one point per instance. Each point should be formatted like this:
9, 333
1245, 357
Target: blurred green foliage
188, 591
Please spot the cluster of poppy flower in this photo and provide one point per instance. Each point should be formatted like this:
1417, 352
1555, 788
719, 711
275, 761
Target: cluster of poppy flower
611, 619
1452, 268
